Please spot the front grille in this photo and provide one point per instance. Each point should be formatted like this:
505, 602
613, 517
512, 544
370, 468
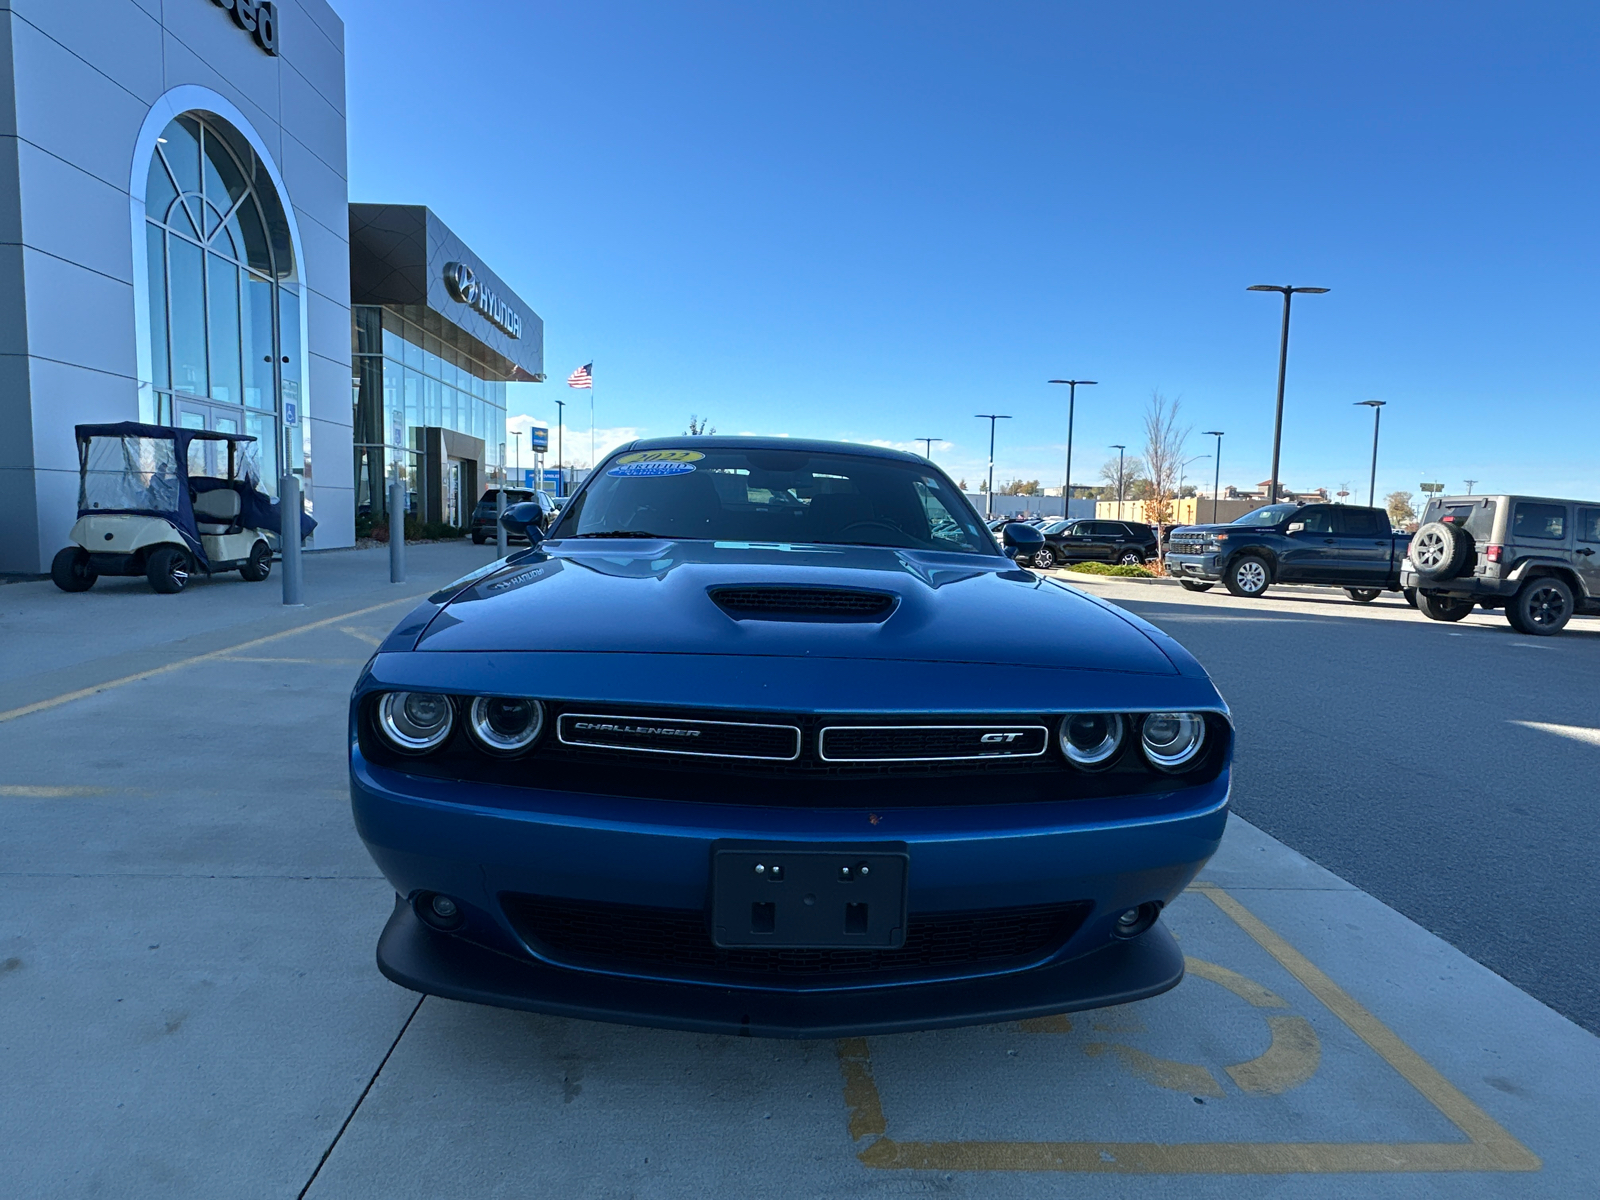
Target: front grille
778, 602
676, 942
930, 743
1187, 544
701, 739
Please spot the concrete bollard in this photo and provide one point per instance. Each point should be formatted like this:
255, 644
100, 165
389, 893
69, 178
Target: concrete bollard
397, 531
289, 539
499, 529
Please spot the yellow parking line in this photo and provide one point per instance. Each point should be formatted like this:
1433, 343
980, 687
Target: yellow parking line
80, 693
1489, 1146
361, 635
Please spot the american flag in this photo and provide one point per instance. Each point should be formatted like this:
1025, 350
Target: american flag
581, 377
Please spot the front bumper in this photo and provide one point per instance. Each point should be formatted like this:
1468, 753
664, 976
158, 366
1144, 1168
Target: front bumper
479, 843
1195, 566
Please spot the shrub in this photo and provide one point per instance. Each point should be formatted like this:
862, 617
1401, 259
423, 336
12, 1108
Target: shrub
1098, 568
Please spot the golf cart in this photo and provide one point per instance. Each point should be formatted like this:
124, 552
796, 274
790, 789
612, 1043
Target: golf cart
163, 503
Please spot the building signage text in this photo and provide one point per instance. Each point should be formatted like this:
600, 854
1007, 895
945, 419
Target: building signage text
463, 285
259, 18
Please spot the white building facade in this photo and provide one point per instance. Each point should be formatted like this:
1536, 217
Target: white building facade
174, 243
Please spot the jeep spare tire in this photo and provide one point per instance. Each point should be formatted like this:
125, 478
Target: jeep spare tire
1439, 551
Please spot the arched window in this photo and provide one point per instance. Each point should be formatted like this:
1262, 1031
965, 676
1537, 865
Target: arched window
223, 301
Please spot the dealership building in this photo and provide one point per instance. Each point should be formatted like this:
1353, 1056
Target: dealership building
177, 247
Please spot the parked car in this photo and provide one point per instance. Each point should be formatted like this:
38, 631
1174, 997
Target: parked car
1533, 556
1340, 545
763, 739
165, 503
484, 515
1128, 543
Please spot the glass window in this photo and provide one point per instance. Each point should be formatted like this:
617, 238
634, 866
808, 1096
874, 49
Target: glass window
394, 406
413, 385
179, 144
256, 332
159, 193
156, 262
1360, 522
411, 347
1589, 524
432, 400
1315, 520
222, 303
289, 359
188, 316
1272, 514
1544, 521
430, 357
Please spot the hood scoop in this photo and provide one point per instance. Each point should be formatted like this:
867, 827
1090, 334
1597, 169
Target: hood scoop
768, 602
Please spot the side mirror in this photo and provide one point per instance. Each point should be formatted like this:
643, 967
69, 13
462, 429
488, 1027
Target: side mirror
1020, 541
1297, 527
524, 520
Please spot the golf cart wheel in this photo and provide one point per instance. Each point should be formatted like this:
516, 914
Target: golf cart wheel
1044, 558
1131, 558
478, 539
1443, 608
1192, 585
70, 570
1542, 607
1362, 595
167, 570
259, 565
1247, 576
1439, 551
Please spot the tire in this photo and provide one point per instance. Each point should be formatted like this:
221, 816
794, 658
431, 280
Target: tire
1044, 558
1439, 551
1442, 608
1363, 595
167, 569
1542, 608
1410, 595
1247, 576
259, 565
1131, 558
478, 539
1190, 585
70, 570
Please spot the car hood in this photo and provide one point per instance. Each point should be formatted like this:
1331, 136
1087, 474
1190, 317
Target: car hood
653, 597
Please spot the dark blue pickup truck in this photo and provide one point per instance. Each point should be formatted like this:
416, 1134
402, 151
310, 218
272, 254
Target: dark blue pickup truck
1336, 545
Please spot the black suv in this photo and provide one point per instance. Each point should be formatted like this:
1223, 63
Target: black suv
1126, 542
1532, 556
483, 516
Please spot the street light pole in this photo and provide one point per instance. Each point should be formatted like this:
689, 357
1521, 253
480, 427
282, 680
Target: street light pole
927, 447
988, 499
561, 452
1216, 486
1377, 415
516, 446
1072, 407
1119, 449
1283, 366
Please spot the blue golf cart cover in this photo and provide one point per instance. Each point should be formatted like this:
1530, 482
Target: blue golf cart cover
143, 470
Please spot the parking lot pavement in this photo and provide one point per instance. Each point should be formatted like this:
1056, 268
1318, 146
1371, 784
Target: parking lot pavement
1448, 769
189, 1005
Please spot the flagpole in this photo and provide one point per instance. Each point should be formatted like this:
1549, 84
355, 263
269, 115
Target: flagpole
591, 418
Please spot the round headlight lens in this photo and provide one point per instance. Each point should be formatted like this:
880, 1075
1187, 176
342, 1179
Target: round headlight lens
506, 724
1091, 739
416, 722
1172, 740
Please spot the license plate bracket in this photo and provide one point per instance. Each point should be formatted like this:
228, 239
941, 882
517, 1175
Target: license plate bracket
809, 896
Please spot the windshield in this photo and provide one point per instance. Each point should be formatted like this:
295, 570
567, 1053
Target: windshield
1270, 515
129, 474
774, 495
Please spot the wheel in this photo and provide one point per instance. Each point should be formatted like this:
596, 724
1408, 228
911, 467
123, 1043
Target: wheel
1410, 595
1439, 551
1044, 558
1363, 595
1191, 585
70, 570
1131, 558
1443, 608
167, 569
1542, 607
259, 565
1247, 576
478, 539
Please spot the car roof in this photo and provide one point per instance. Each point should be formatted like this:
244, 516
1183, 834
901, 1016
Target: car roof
808, 445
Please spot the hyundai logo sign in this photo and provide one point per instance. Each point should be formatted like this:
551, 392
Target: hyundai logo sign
463, 285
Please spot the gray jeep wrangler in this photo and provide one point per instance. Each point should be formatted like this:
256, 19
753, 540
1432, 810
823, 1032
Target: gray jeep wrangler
1532, 556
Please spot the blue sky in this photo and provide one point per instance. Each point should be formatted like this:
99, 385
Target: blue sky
871, 221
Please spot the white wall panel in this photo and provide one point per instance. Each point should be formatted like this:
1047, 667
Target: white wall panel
118, 38
68, 213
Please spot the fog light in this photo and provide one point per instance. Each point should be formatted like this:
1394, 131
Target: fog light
445, 907
438, 911
1135, 921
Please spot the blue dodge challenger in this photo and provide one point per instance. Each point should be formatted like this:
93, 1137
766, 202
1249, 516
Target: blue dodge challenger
770, 737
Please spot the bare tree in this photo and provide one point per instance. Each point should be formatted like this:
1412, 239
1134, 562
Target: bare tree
1163, 456
1132, 468
699, 427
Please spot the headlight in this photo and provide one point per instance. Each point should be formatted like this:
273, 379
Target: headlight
1172, 740
1091, 739
505, 724
416, 722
